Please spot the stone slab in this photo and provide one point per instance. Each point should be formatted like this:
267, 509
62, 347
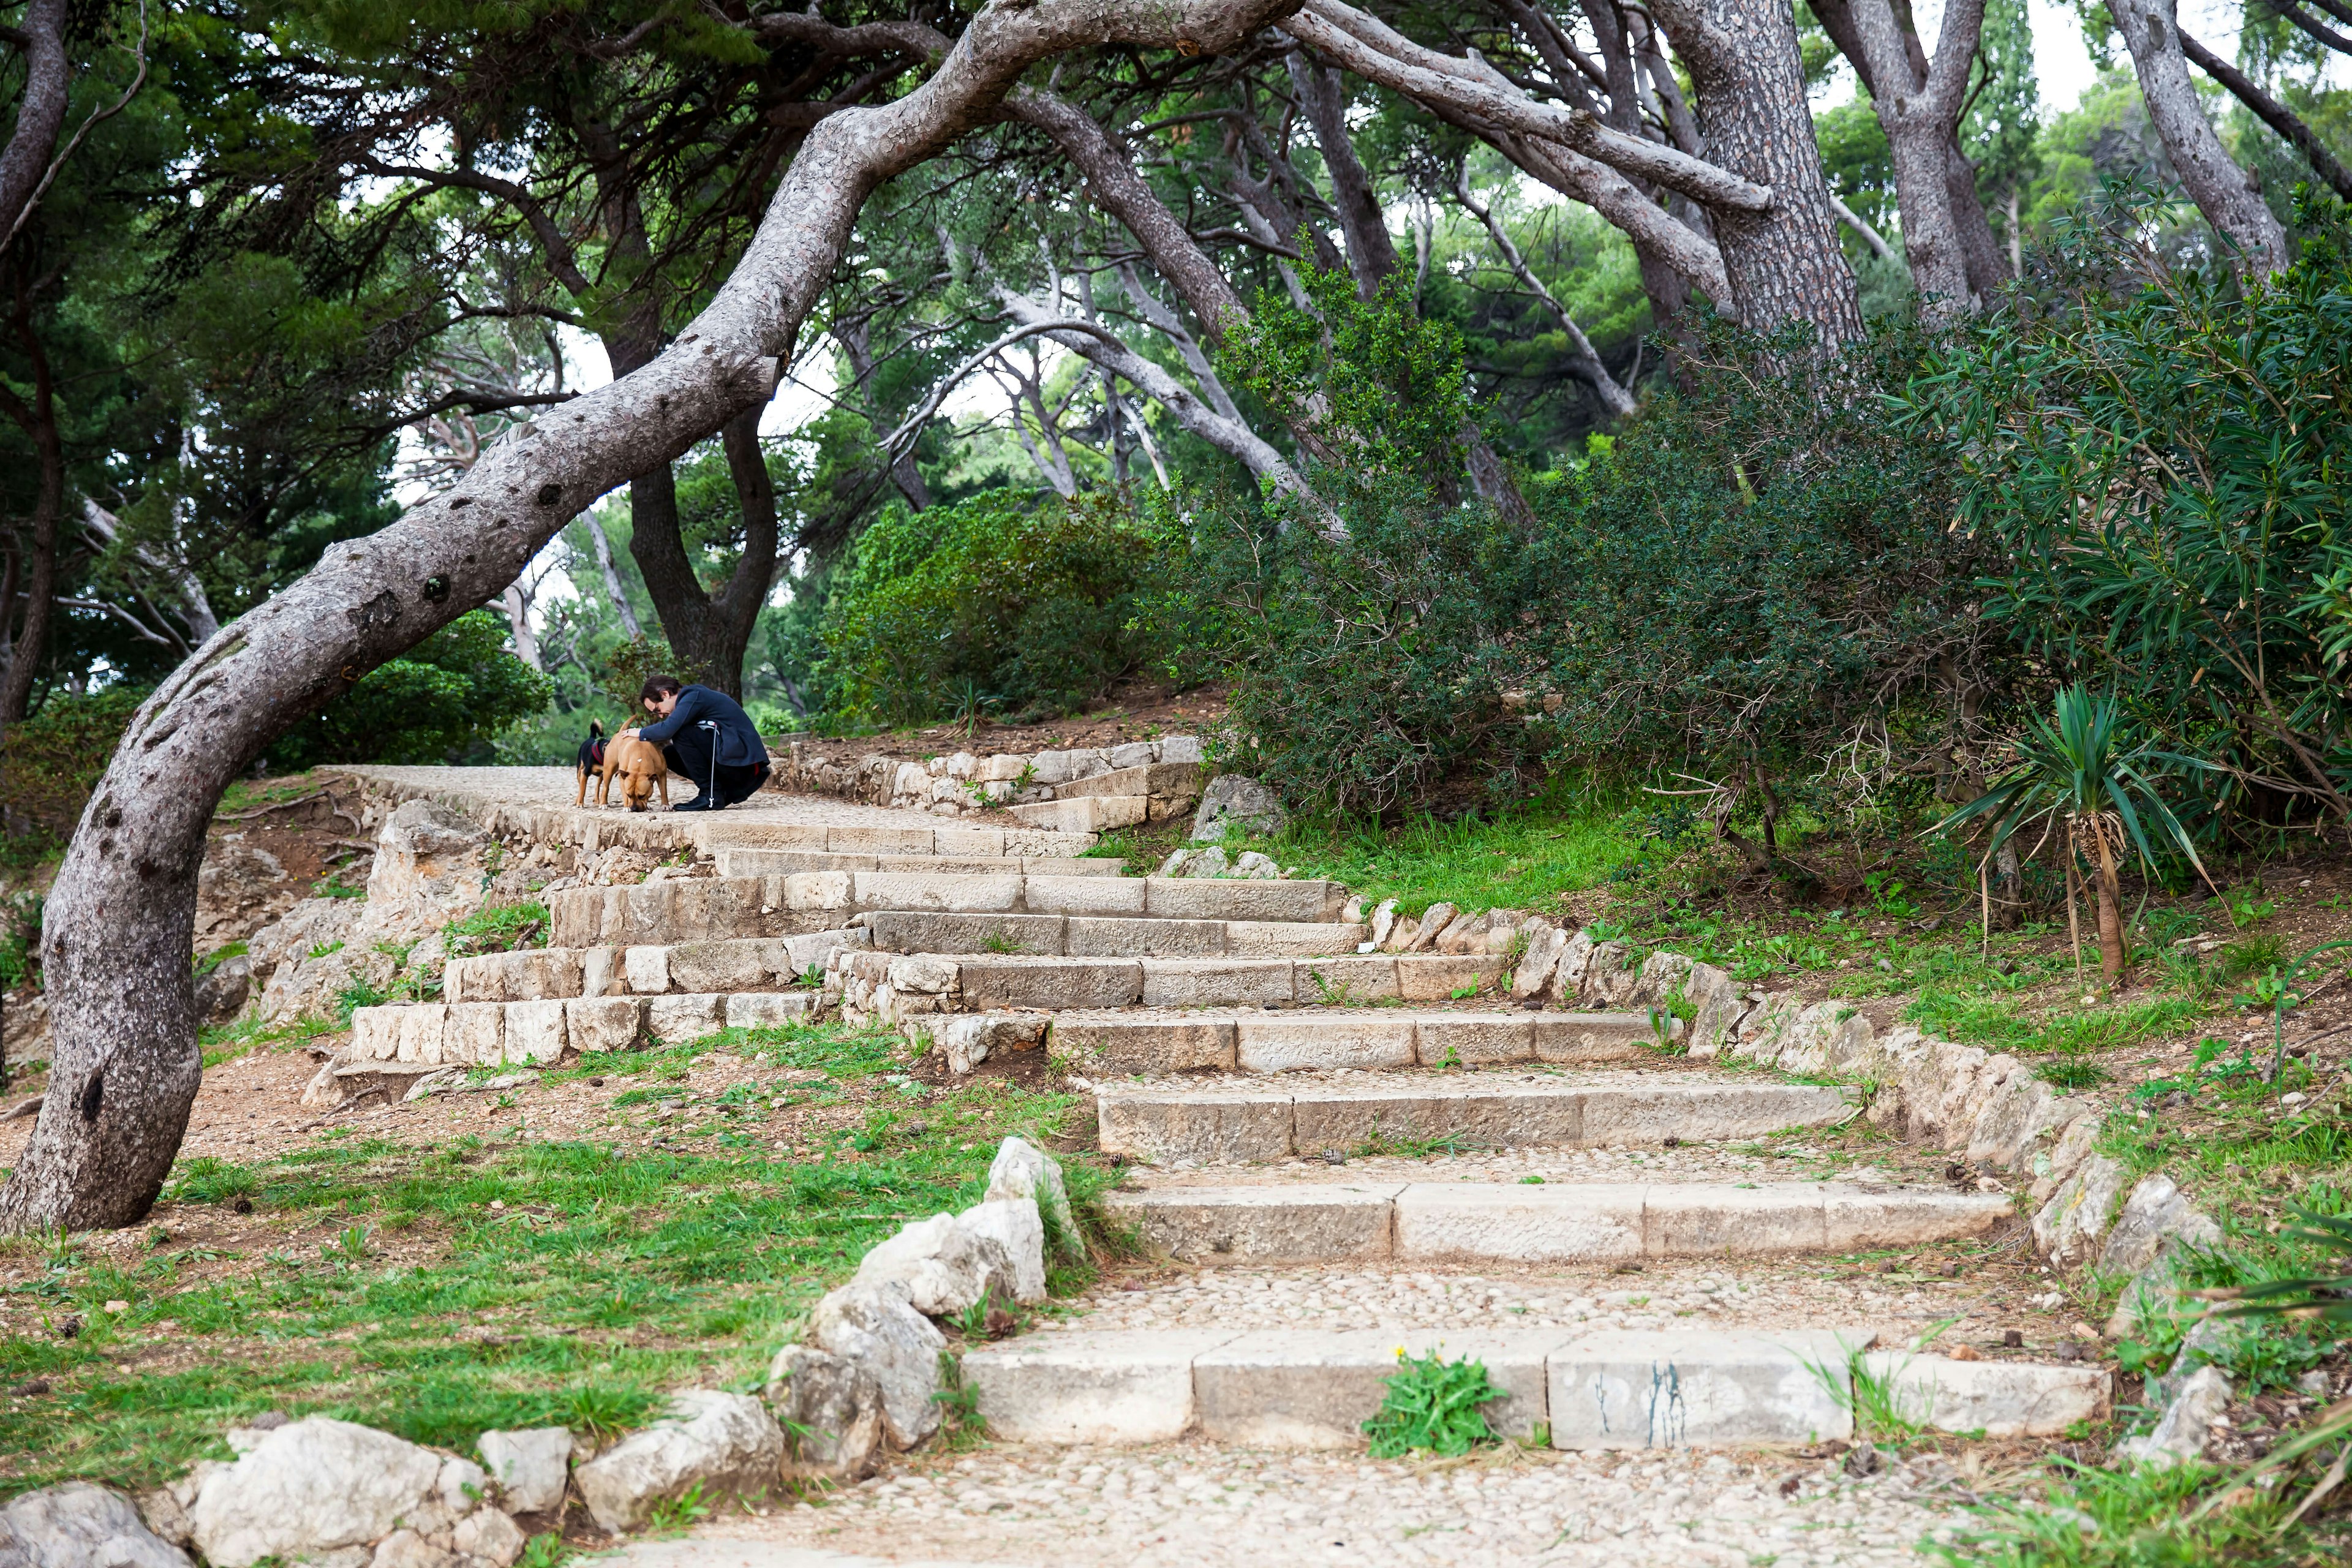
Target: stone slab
1082, 1387
1161, 1127
1084, 895
1303, 1388
1237, 899
897, 930
1323, 1041
1575, 1037
1473, 1039
935, 892
1292, 938
992, 983
1857, 1217
1700, 1112
1998, 1398
1114, 936
1347, 981
1717, 1220
1435, 977
1216, 983
1671, 1389
1119, 1045
1585, 1223
1291, 1223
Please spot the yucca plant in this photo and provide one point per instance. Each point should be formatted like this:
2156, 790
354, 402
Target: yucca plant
2083, 775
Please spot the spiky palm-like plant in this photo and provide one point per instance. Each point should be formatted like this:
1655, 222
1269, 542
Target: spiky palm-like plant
2082, 774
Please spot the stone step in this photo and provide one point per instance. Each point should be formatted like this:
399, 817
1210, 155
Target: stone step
1582, 1222
890, 988
1106, 936
723, 832
1258, 1042
786, 862
535, 1034
1162, 1124
1087, 813
707, 908
1310, 1388
1165, 783
740, 964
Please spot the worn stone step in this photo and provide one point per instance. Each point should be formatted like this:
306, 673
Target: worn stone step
709, 909
740, 964
892, 988
535, 1034
1104, 936
1466, 1222
785, 862
1086, 814
723, 832
1232, 1124
1256, 1042
1172, 787
1309, 1388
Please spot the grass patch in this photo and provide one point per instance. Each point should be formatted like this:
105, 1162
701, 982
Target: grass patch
376, 1283
1432, 1406
503, 927
2075, 1515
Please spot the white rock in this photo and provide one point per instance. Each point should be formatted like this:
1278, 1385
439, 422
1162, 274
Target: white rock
831, 1410
874, 1326
407, 1549
942, 1265
313, 1485
2187, 1424
1256, 866
1014, 1226
1022, 1170
1384, 920
78, 1525
1235, 800
728, 1442
531, 1465
490, 1535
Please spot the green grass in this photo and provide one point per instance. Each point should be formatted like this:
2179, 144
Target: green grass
2074, 1515
498, 929
382, 1287
1565, 841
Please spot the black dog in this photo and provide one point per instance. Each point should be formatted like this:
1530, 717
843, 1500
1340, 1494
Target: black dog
590, 761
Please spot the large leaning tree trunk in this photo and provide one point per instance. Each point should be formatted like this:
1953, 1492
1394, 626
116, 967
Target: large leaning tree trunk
116, 945
1919, 110
2223, 191
40, 111
1785, 263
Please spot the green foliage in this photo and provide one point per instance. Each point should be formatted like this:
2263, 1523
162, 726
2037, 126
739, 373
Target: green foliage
1433, 1405
500, 928
2139, 1516
448, 694
1029, 606
2162, 455
50, 761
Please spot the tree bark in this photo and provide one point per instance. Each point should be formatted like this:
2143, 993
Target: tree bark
613, 590
1372, 252
116, 943
38, 419
2111, 908
2223, 191
1920, 111
40, 112
2273, 113
1785, 264
1614, 400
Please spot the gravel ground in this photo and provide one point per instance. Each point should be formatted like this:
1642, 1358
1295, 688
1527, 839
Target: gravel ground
1988, 1298
559, 786
1188, 1505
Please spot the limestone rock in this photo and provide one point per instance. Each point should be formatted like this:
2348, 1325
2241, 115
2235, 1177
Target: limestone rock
78, 1525
2187, 1424
2151, 1216
428, 855
968, 1039
1434, 920
874, 1326
408, 1548
1014, 1224
944, 1266
313, 1485
1255, 867
1545, 944
488, 1533
1385, 921
2078, 1216
831, 1409
313, 922
1716, 998
1022, 1170
728, 1442
222, 989
1235, 801
530, 1466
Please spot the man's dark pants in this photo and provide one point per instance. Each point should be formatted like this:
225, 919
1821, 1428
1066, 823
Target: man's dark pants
688, 755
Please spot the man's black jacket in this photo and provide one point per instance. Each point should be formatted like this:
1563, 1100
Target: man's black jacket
738, 742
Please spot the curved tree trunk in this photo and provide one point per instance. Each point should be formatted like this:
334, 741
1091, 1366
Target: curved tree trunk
41, 112
2223, 191
38, 419
1784, 263
116, 946
1919, 108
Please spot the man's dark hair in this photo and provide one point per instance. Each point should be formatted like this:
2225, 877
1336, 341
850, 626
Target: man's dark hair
658, 688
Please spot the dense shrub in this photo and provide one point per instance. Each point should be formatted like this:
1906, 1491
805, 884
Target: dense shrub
1758, 571
1023, 606
2166, 458
50, 761
442, 699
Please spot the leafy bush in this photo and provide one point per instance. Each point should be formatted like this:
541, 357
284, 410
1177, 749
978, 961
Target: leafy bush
446, 696
1756, 572
1029, 607
50, 761
2163, 454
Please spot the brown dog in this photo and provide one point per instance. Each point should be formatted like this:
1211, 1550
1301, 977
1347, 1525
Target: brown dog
641, 771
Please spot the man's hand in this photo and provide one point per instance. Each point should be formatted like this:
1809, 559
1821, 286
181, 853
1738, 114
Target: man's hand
627, 735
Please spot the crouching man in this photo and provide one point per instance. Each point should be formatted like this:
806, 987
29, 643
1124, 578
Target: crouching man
706, 738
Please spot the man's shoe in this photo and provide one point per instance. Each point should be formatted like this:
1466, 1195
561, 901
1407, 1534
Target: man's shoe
699, 803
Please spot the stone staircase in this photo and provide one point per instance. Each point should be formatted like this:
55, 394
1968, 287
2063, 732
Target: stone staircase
1251, 1059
